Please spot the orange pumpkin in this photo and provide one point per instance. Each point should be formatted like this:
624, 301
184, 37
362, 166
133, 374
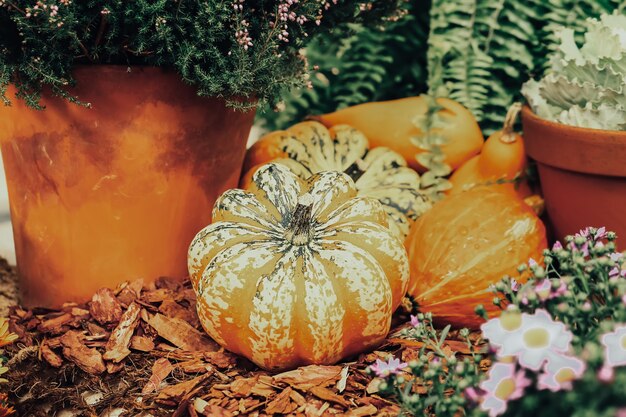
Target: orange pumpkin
502, 158
392, 124
465, 243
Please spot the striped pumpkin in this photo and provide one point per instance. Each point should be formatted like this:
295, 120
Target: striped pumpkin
295, 272
308, 148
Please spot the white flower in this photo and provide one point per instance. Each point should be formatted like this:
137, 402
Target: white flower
560, 371
615, 347
503, 384
531, 338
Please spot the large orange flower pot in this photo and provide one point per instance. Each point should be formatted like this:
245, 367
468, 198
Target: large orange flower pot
582, 173
116, 192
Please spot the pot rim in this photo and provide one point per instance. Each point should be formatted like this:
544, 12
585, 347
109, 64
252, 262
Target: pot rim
527, 111
576, 149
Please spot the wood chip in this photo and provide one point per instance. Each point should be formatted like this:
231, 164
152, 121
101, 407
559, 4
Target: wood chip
185, 389
141, 343
368, 410
160, 370
89, 360
310, 376
104, 307
55, 325
181, 334
172, 309
343, 379
281, 404
327, 395
117, 346
130, 292
207, 409
48, 354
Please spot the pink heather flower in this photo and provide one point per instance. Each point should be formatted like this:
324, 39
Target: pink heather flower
616, 256
557, 246
532, 263
606, 374
600, 233
586, 232
616, 273
514, 285
531, 338
384, 369
615, 347
624, 298
414, 321
559, 291
543, 289
503, 384
560, 371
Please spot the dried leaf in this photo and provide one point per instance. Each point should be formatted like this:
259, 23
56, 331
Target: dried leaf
221, 359
160, 370
310, 376
104, 307
181, 334
89, 360
117, 346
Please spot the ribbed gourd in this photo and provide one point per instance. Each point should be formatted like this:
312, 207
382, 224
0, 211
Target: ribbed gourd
309, 147
295, 272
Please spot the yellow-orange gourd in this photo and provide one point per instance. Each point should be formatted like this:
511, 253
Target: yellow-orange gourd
294, 272
392, 124
309, 147
465, 243
502, 160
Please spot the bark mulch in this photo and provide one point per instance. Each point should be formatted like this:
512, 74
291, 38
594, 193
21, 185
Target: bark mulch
141, 349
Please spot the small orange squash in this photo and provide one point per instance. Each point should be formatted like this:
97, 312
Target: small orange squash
465, 243
392, 124
501, 160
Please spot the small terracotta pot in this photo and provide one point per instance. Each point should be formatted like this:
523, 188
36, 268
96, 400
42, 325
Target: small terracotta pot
582, 173
114, 193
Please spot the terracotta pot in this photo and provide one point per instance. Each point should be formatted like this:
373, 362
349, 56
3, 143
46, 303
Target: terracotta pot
114, 193
582, 173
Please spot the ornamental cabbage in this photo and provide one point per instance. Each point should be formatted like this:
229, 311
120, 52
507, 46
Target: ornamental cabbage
585, 86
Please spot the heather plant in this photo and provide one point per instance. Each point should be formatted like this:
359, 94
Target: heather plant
245, 50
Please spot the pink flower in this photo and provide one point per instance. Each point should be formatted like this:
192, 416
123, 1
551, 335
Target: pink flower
514, 285
503, 384
557, 246
414, 321
559, 291
615, 347
606, 374
384, 369
473, 395
600, 233
616, 273
621, 412
543, 289
624, 298
560, 371
532, 263
616, 256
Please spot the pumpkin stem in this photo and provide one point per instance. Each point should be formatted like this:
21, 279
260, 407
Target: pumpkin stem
356, 170
300, 227
508, 135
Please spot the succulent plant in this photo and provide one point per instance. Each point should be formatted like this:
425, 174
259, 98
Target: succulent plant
585, 86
